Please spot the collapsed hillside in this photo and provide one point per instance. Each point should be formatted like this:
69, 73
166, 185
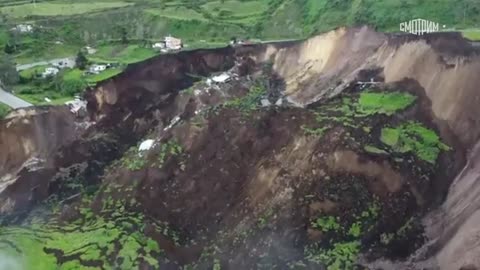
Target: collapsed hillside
320, 153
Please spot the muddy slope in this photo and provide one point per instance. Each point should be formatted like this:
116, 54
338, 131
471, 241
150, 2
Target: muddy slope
445, 65
295, 162
121, 111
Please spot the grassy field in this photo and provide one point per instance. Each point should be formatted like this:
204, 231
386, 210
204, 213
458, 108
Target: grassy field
119, 53
45, 52
237, 8
92, 79
31, 72
180, 13
472, 34
4, 109
58, 9
35, 92
39, 99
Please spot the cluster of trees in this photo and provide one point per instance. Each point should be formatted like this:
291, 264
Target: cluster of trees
8, 71
63, 83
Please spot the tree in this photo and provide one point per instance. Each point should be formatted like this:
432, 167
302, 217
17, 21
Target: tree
13, 39
81, 61
9, 49
8, 71
122, 32
69, 82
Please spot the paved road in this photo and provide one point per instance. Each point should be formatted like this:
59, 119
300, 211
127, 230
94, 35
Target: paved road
12, 101
66, 62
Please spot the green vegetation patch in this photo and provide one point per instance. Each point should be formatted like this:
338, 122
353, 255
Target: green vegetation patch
326, 224
473, 35
168, 149
354, 111
133, 159
58, 9
121, 53
97, 241
104, 75
33, 72
249, 102
234, 9
414, 137
383, 103
4, 110
178, 12
342, 254
315, 131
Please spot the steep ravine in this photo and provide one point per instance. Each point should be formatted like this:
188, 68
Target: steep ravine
298, 161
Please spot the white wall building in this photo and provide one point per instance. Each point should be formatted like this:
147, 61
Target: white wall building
50, 71
23, 28
173, 43
159, 45
90, 50
97, 68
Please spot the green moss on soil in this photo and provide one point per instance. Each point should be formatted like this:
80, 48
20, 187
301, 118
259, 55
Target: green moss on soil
168, 149
326, 224
342, 252
132, 159
342, 256
387, 103
115, 243
415, 138
249, 102
353, 111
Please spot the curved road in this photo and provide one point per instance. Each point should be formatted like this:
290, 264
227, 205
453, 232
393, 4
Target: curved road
67, 62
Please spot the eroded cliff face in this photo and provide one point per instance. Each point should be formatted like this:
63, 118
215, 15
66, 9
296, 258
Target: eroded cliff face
29, 138
445, 65
312, 153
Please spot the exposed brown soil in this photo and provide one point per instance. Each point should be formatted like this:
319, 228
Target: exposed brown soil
350, 162
249, 187
240, 168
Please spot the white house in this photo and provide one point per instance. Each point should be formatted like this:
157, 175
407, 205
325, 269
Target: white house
77, 106
159, 45
90, 50
173, 43
23, 28
97, 68
50, 71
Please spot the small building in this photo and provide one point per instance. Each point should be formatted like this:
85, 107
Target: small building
50, 71
77, 107
90, 50
173, 43
23, 28
159, 45
95, 69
